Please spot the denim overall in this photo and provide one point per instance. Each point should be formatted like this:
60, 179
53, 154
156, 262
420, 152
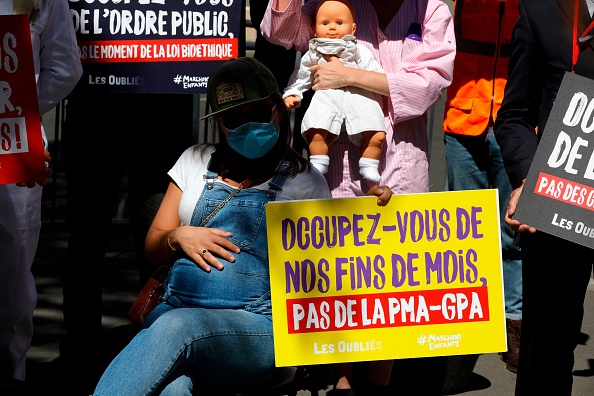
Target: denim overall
244, 284
218, 324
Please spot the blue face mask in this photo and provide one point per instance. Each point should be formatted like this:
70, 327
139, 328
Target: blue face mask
253, 139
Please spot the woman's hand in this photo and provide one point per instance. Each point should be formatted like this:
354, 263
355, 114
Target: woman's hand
511, 210
334, 75
43, 180
204, 245
330, 75
383, 194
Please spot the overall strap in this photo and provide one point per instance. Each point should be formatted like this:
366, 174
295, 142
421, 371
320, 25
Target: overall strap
211, 175
275, 186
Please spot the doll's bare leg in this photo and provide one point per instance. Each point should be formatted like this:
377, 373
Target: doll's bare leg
371, 152
373, 142
317, 139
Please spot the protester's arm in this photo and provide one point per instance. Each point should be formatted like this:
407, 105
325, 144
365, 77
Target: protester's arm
60, 67
518, 116
166, 237
48, 173
511, 210
59, 63
288, 23
334, 75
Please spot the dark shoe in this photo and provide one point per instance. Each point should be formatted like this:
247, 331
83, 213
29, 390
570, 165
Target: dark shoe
511, 357
13, 388
377, 390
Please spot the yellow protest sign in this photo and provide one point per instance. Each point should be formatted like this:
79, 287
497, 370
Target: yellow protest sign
352, 281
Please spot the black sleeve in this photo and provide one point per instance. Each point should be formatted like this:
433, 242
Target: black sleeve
517, 119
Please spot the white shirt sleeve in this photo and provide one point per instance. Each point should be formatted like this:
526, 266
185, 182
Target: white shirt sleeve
57, 63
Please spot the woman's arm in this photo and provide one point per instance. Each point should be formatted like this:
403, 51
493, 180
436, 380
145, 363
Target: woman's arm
166, 237
335, 75
165, 222
426, 68
288, 24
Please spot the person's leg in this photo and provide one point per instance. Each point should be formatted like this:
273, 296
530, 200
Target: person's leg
511, 258
556, 274
179, 383
226, 346
466, 162
379, 371
342, 375
512, 265
342, 379
93, 173
18, 296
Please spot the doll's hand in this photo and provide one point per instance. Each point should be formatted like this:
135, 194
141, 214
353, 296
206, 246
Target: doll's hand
205, 245
292, 101
331, 75
43, 180
383, 194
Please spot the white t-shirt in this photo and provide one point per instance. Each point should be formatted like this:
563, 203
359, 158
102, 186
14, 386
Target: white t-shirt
192, 165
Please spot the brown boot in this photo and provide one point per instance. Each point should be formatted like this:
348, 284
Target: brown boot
511, 357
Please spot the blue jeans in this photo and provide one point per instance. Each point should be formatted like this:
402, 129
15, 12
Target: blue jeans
184, 345
215, 325
475, 163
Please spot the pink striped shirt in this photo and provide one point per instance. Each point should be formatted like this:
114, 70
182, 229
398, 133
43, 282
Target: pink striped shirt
417, 71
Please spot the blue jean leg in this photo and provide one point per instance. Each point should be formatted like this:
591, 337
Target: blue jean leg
196, 339
474, 163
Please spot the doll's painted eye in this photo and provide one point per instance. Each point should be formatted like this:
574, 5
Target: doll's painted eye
339, 23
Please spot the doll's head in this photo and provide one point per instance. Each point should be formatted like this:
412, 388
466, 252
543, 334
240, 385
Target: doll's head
334, 19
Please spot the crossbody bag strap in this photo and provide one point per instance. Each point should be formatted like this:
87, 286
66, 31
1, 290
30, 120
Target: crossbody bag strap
244, 184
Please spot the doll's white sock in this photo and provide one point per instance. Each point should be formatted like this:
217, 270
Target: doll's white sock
368, 168
320, 162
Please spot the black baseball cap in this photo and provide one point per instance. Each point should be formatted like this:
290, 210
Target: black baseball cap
236, 82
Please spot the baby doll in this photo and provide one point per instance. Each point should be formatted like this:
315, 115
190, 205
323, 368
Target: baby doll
358, 109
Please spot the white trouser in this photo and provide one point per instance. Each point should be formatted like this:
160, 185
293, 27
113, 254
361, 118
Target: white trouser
20, 209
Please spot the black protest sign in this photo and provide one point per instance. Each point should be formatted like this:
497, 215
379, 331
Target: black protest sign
558, 196
154, 46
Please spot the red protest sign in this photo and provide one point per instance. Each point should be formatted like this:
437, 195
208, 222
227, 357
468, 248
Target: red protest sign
21, 145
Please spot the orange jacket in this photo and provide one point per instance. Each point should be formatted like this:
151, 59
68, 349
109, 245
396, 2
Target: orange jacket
483, 47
